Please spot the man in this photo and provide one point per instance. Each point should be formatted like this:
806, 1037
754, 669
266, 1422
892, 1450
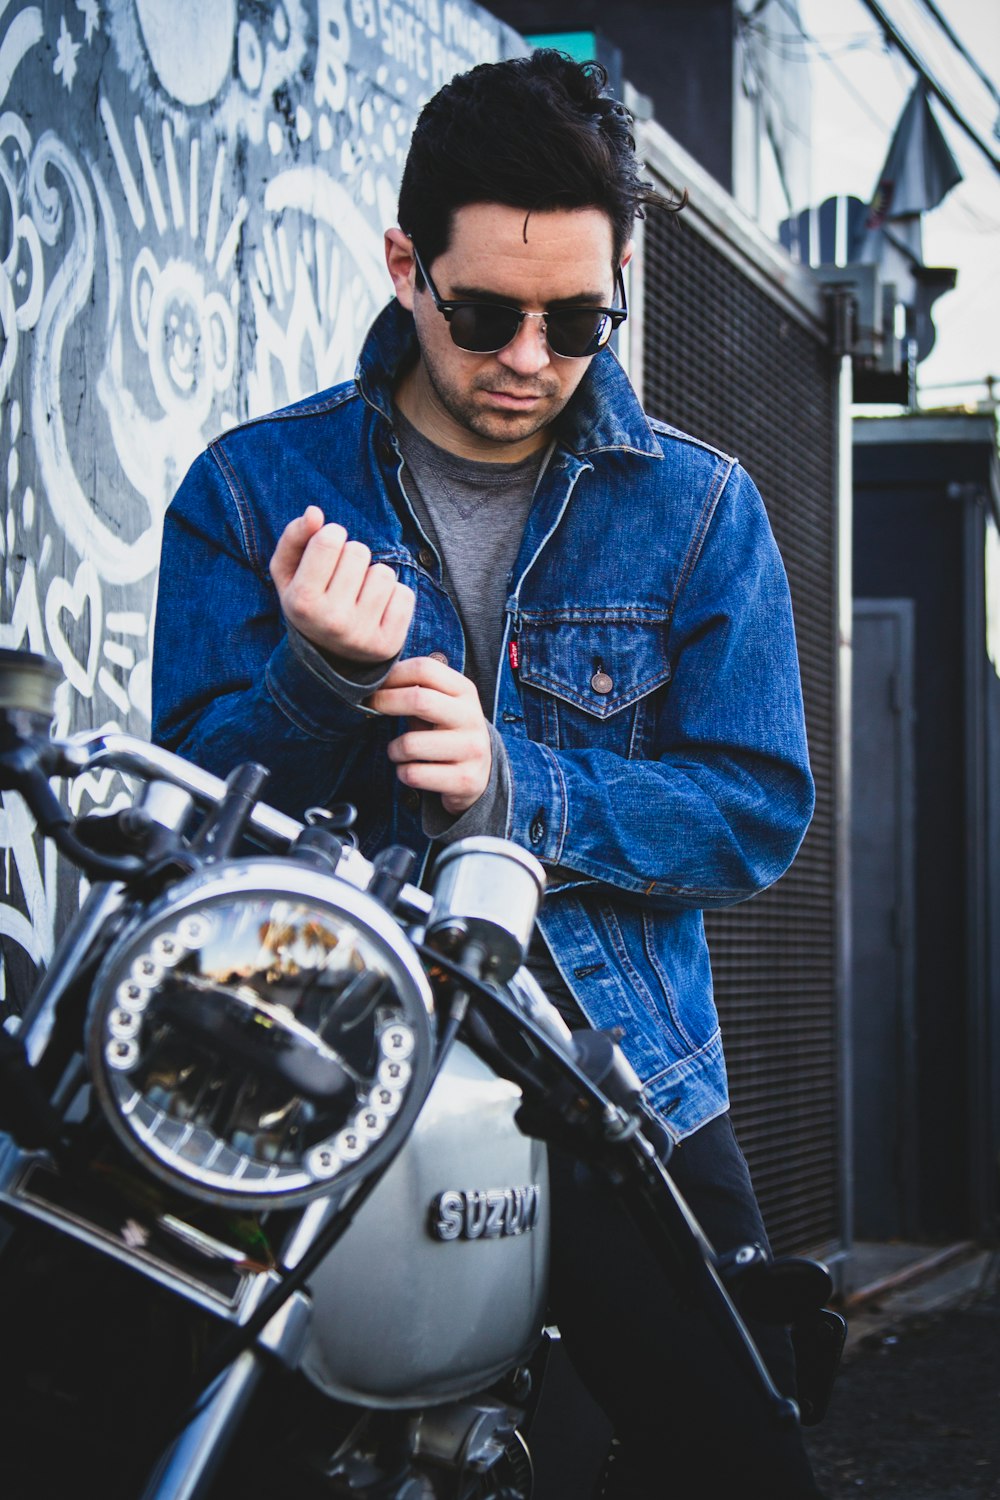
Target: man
478, 590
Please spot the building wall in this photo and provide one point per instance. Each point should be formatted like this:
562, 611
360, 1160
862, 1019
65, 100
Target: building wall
927, 492
192, 199
729, 356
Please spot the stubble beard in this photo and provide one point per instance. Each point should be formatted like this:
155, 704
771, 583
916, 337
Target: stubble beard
494, 425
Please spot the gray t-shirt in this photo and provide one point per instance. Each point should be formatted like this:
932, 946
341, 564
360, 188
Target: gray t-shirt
475, 514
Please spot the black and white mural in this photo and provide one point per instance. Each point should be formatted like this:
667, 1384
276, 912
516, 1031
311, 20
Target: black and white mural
192, 199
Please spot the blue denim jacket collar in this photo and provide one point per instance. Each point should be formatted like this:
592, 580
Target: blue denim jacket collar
603, 416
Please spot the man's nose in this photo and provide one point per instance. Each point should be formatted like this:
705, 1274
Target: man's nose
529, 351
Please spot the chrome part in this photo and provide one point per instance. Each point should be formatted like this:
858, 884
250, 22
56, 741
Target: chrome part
165, 804
187, 1468
486, 892
484, 1213
90, 750
287, 1332
539, 1008
28, 683
70, 955
311, 1222
473, 1437
29, 1186
238, 1034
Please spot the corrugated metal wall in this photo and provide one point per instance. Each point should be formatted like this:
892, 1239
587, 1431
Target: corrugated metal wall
725, 361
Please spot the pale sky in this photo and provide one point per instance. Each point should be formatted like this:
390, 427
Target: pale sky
859, 90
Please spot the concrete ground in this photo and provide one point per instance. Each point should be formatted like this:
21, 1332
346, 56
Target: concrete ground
916, 1409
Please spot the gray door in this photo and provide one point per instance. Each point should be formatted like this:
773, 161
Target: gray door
882, 930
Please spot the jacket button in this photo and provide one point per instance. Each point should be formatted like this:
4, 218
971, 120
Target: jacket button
411, 799
425, 557
601, 682
441, 656
537, 830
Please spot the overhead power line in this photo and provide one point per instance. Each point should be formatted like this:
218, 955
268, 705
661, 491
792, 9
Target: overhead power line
793, 15
898, 40
960, 48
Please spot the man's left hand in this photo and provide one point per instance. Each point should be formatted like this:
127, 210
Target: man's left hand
446, 748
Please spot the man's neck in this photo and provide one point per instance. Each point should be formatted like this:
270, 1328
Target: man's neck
417, 400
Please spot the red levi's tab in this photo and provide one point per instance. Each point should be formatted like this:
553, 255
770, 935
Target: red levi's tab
514, 654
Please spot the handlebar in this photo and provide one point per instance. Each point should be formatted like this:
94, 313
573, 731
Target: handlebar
275, 830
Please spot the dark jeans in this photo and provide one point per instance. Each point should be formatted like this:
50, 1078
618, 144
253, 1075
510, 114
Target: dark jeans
687, 1422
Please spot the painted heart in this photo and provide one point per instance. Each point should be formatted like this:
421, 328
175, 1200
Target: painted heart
76, 649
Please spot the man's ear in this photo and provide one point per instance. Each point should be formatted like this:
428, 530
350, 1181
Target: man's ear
627, 253
402, 266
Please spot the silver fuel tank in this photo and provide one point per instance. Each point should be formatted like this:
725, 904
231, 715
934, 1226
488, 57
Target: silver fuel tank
439, 1286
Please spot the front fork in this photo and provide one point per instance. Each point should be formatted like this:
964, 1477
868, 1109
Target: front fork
190, 1462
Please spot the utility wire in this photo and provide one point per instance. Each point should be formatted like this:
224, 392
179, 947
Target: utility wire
831, 61
959, 46
898, 40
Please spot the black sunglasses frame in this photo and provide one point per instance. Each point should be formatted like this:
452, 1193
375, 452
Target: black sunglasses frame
447, 309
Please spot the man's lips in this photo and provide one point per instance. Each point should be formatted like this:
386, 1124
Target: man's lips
515, 399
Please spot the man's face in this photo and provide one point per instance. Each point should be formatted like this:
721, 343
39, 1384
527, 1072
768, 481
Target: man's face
498, 406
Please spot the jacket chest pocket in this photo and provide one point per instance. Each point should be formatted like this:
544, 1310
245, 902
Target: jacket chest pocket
593, 683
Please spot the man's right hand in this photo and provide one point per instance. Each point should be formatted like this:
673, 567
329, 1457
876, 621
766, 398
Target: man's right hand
335, 596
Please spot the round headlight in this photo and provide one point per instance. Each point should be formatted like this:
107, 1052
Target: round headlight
262, 1034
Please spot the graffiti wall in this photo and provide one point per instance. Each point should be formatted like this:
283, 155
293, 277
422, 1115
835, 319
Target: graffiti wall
192, 199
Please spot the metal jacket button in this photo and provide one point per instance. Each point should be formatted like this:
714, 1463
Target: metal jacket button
537, 830
441, 656
601, 682
425, 557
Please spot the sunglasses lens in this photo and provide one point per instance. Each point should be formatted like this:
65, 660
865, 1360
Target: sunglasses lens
481, 328
485, 328
577, 332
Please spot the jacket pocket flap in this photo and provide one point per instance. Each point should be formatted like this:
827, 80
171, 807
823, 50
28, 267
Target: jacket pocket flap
600, 664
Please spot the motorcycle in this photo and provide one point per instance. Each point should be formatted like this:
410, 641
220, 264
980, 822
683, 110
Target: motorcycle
273, 1153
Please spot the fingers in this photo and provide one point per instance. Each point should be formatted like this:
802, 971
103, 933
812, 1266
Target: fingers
446, 746
454, 763
378, 584
329, 556
427, 671
397, 615
441, 746
423, 689
292, 544
459, 786
333, 593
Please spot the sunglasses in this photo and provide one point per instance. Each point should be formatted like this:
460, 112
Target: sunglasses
487, 327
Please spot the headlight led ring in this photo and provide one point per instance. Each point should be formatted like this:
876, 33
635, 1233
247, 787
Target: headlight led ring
262, 1033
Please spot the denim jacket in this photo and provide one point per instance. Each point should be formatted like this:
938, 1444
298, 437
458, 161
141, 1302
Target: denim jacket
650, 707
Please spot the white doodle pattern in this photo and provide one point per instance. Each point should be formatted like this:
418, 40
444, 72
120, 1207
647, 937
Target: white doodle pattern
209, 246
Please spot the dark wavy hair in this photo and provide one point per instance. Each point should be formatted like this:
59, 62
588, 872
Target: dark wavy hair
537, 133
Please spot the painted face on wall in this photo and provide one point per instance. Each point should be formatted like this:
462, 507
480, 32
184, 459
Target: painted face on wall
187, 333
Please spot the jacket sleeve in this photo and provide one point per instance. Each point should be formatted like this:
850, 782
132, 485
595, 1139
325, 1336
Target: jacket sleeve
230, 683
719, 809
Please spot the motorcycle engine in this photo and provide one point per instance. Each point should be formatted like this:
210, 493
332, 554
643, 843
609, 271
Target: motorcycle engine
262, 1034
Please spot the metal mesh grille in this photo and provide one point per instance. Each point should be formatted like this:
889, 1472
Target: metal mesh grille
725, 362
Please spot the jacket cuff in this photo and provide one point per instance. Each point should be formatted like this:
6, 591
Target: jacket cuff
357, 681
300, 683
538, 811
